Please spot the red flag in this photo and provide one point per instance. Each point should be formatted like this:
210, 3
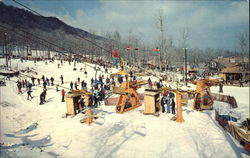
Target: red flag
128, 48
115, 53
156, 49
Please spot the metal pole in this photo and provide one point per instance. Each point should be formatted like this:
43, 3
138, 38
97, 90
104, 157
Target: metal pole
5, 47
186, 66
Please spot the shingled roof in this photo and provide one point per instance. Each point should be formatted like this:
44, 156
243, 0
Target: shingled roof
231, 61
235, 69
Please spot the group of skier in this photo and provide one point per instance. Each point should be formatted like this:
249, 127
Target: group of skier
168, 99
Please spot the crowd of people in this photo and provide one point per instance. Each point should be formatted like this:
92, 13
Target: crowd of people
99, 86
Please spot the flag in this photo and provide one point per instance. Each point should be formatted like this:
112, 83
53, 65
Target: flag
128, 48
156, 49
115, 53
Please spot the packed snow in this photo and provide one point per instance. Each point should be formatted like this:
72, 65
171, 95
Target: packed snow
32, 130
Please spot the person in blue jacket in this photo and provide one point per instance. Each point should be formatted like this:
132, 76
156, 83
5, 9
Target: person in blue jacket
162, 104
168, 103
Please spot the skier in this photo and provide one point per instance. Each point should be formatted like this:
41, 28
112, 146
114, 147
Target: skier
76, 85
168, 103
96, 97
81, 103
151, 84
63, 94
92, 81
85, 72
241, 83
107, 80
163, 103
100, 78
19, 86
33, 80
58, 65
149, 81
29, 94
71, 85
221, 88
131, 74
173, 106
52, 81
23, 84
102, 93
43, 78
61, 79
47, 80
42, 97
158, 85
44, 85
126, 77
38, 80
82, 84
29, 86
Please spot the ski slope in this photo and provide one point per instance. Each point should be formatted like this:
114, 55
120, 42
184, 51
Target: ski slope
32, 130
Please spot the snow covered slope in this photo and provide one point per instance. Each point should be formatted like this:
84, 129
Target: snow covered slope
32, 130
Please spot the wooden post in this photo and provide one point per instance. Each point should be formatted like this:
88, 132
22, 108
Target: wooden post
89, 118
179, 108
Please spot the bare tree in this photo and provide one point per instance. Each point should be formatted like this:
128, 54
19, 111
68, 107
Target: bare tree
243, 42
185, 36
160, 26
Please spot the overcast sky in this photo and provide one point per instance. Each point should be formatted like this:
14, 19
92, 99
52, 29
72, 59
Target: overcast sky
211, 24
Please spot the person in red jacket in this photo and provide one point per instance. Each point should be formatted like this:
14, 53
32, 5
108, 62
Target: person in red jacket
63, 94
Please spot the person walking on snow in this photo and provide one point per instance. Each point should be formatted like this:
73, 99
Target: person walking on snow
19, 87
241, 82
29, 94
76, 85
71, 85
96, 98
221, 88
149, 81
43, 78
47, 80
163, 103
173, 106
52, 81
42, 97
82, 84
168, 103
33, 80
61, 79
44, 85
23, 84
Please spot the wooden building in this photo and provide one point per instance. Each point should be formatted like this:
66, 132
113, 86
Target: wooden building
220, 63
235, 73
230, 69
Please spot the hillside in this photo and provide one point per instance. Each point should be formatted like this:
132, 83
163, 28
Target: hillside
17, 17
